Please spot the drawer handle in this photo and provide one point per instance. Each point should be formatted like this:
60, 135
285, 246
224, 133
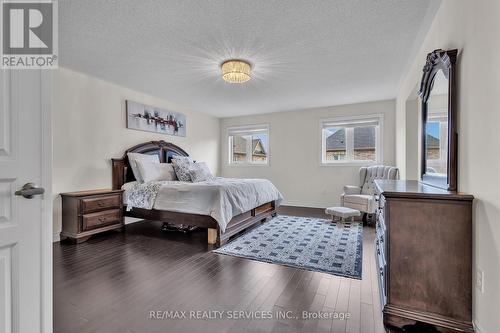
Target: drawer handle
100, 203
102, 219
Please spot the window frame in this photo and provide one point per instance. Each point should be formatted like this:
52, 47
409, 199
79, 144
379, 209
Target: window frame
440, 116
352, 120
248, 163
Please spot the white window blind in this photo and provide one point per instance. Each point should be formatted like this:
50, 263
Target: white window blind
345, 124
247, 131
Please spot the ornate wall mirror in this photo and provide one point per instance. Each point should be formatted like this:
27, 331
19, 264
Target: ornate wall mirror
439, 120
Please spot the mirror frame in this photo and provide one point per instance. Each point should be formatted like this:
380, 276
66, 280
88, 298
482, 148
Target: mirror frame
436, 61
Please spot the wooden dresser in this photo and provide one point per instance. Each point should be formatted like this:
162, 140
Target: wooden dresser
424, 255
86, 213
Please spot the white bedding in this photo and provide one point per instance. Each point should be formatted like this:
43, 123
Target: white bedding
221, 198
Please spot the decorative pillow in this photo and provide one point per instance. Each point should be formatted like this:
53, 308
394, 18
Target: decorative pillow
134, 157
200, 172
156, 171
181, 165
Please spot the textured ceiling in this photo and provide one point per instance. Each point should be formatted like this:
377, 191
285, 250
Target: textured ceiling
304, 53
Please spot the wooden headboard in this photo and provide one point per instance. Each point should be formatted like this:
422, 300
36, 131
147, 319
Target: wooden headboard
122, 172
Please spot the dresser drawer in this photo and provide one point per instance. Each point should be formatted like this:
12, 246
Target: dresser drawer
381, 274
380, 227
85, 213
380, 248
264, 208
381, 223
101, 219
381, 206
383, 286
381, 200
100, 203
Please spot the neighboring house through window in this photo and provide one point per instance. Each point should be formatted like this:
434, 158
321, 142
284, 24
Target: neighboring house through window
351, 140
248, 145
436, 143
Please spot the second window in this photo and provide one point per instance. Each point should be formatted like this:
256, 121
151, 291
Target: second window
350, 140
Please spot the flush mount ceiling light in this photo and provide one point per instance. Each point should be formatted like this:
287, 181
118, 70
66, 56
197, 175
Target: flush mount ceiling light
236, 71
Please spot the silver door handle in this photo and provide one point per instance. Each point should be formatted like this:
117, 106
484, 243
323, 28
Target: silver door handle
29, 190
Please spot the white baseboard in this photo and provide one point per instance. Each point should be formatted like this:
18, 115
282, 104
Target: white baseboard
477, 327
56, 236
309, 205
130, 220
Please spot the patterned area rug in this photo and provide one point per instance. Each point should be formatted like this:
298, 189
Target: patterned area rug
309, 243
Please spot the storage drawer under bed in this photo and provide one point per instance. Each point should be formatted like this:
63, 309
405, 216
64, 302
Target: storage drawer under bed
264, 208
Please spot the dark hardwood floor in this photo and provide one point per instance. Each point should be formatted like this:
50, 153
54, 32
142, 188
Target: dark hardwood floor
112, 282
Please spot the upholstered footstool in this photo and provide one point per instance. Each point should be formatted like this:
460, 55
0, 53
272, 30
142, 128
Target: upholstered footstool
342, 213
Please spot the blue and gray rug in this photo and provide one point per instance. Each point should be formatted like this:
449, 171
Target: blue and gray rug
309, 243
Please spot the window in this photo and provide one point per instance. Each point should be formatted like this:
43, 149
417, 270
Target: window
436, 141
351, 140
248, 145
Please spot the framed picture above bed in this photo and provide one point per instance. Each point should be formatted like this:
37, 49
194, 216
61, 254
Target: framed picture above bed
152, 119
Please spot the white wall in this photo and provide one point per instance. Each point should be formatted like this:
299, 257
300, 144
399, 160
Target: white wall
412, 139
472, 27
90, 129
294, 146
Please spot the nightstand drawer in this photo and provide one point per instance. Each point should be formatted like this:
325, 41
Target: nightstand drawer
86, 213
100, 203
101, 219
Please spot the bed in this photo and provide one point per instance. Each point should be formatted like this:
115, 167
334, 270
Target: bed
217, 233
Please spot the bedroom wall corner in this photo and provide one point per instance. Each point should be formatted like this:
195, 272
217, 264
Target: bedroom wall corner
90, 128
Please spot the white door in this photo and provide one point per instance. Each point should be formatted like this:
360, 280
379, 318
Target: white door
25, 223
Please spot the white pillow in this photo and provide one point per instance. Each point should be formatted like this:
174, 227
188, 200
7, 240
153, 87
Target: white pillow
182, 164
156, 171
200, 172
134, 157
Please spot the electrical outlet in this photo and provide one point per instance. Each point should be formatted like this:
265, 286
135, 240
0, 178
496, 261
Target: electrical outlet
480, 280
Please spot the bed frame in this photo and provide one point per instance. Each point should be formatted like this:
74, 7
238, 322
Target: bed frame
122, 173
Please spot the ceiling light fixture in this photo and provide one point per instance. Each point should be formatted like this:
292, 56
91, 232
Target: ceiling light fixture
236, 71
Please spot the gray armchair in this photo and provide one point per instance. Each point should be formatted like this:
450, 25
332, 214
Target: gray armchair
362, 197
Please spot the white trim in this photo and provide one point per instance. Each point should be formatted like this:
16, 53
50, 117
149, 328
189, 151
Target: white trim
350, 164
56, 237
130, 220
353, 119
43, 81
248, 130
477, 328
266, 127
46, 78
310, 204
379, 150
251, 165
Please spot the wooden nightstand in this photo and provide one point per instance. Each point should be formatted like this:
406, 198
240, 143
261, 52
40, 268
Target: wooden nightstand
86, 213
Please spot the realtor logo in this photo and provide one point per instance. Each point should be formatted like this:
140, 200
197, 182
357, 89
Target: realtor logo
29, 34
